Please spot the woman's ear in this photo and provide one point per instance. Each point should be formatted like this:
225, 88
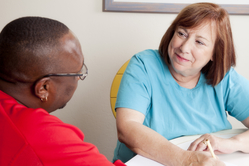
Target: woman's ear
42, 88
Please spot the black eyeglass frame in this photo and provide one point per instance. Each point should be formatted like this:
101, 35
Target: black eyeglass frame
82, 76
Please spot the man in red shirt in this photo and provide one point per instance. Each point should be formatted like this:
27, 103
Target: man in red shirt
41, 63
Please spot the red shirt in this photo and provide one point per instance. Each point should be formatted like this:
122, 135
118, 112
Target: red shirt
33, 137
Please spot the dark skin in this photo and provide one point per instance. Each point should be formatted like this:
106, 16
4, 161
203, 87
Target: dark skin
57, 90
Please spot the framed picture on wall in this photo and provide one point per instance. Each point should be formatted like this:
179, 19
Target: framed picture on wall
166, 6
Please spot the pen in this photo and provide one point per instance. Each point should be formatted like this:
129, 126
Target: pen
207, 142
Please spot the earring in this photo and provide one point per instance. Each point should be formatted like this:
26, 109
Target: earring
44, 99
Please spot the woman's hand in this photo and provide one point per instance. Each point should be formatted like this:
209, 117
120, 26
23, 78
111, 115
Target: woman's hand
219, 145
201, 159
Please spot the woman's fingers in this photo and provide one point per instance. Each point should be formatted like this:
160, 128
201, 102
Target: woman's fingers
198, 144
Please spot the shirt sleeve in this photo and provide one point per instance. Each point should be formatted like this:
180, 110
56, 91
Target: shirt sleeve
134, 90
236, 95
119, 163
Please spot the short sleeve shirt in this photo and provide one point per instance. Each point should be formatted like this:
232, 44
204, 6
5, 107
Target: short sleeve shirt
173, 111
34, 137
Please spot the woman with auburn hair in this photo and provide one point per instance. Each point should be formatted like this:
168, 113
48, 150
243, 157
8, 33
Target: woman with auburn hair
224, 54
187, 87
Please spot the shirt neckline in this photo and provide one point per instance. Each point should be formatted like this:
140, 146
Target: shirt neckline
172, 81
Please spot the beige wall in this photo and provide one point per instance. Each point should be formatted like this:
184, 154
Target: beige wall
108, 40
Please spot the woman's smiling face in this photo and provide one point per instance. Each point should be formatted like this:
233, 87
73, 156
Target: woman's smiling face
191, 49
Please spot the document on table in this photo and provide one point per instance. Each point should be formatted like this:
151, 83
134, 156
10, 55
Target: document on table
142, 161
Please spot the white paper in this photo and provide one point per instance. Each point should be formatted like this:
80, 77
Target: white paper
142, 161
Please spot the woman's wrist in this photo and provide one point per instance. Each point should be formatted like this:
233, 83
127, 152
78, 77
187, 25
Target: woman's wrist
230, 145
237, 144
185, 159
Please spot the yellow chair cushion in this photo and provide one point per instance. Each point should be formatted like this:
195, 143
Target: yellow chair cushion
115, 86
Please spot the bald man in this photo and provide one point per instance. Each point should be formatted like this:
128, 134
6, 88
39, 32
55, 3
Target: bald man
41, 63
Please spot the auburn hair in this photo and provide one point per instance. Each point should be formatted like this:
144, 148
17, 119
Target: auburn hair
195, 15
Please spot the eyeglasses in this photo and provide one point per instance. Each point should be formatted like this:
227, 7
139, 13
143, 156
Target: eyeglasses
82, 75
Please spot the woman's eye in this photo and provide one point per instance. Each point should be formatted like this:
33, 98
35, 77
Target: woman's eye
181, 33
199, 42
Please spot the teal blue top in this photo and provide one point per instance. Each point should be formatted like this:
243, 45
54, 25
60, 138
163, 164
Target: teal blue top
173, 111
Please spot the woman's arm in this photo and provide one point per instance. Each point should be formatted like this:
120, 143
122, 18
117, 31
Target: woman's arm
239, 142
148, 143
243, 138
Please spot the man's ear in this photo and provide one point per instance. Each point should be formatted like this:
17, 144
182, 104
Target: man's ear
42, 88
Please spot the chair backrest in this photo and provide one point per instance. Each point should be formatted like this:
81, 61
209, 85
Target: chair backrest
115, 86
